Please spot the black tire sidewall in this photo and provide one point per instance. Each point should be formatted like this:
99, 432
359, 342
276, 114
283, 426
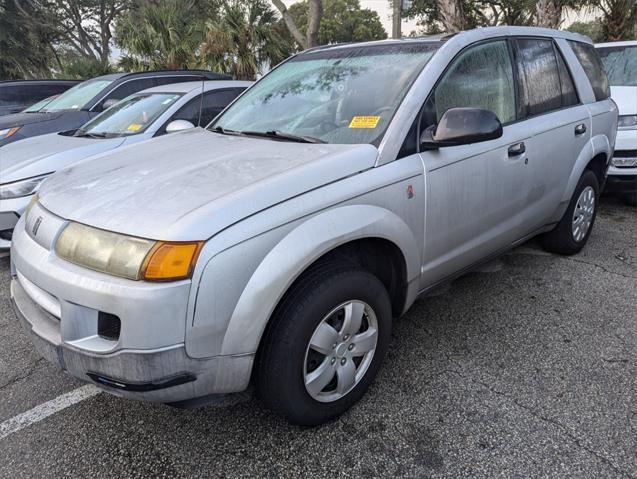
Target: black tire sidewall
296, 324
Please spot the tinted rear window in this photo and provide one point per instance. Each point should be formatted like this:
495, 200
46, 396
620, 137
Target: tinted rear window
590, 61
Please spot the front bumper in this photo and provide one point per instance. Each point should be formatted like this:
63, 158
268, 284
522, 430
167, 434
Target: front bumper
59, 305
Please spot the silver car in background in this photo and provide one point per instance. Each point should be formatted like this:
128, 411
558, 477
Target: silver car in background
276, 246
25, 164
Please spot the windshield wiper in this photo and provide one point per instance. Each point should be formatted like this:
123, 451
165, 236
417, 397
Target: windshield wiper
84, 134
281, 135
223, 131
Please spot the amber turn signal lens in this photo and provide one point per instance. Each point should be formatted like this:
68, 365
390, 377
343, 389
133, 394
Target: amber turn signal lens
171, 261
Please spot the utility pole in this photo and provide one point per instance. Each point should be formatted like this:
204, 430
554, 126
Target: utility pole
397, 19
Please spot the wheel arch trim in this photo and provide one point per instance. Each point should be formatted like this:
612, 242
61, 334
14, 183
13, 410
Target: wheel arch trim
301, 248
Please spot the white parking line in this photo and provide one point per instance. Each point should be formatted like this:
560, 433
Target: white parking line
46, 409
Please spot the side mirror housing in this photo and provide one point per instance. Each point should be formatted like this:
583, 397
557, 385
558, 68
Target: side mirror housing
178, 125
461, 126
109, 103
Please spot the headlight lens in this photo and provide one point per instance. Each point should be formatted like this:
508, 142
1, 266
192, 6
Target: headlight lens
20, 188
7, 132
627, 121
126, 256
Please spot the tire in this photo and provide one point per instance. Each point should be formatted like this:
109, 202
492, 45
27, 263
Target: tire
630, 198
286, 361
564, 239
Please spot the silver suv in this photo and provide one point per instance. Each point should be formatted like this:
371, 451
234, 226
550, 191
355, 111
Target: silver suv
276, 246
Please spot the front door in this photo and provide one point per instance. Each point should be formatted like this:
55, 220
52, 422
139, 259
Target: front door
475, 193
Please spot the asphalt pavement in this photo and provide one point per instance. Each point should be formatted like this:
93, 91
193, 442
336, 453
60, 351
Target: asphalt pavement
524, 368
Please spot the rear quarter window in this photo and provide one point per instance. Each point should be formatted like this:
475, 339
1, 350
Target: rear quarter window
592, 65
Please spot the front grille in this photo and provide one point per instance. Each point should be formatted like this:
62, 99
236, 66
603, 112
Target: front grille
625, 154
6, 234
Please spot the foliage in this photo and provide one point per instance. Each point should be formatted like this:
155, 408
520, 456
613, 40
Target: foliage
342, 21
163, 35
246, 36
25, 42
76, 67
590, 29
619, 18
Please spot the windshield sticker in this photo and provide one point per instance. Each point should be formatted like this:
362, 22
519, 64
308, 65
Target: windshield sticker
364, 122
134, 127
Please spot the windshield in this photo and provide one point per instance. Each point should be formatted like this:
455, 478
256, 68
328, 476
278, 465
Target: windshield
130, 116
75, 98
39, 105
620, 64
339, 95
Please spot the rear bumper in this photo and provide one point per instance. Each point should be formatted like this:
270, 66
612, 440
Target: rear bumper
161, 375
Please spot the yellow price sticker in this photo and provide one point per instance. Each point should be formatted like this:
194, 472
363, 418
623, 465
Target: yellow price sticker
134, 127
364, 122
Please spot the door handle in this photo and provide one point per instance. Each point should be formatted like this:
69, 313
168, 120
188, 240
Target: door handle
580, 129
517, 149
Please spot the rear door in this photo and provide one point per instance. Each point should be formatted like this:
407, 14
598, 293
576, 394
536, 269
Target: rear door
475, 194
558, 123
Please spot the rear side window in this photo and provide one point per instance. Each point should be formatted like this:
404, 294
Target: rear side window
540, 87
569, 94
481, 77
592, 65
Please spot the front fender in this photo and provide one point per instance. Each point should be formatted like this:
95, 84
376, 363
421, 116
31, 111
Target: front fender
297, 251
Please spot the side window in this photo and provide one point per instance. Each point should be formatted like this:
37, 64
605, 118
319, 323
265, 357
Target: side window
540, 79
125, 89
592, 65
569, 94
215, 101
480, 77
166, 80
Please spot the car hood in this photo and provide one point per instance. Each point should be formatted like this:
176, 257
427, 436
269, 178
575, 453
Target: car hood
626, 99
191, 185
21, 119
44, 154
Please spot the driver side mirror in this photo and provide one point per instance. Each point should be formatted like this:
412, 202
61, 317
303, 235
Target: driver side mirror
109, 103
461, 126
178, 125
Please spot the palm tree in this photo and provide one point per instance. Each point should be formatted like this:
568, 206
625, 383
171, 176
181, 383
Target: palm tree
158, 36
246, 37
619, 18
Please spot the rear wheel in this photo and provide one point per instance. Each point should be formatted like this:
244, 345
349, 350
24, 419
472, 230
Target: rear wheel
325, 345
572, 232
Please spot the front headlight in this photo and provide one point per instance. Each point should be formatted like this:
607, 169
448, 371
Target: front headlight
8, 132
17, 189
627, 121
127, 256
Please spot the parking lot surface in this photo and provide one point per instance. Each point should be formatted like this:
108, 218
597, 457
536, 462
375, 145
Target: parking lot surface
524, 368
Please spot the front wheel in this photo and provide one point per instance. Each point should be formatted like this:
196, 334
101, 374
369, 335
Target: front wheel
325, 345
572, 232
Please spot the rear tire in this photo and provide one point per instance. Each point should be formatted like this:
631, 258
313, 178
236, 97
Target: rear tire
572, 232
325, 344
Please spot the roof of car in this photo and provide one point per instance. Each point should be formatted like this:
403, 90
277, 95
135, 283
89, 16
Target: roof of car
629, 43
187, 87
154, 73
483, 32
44, 80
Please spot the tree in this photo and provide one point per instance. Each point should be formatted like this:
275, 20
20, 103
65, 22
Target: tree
163, 35
245, 38
452, 15
593, 30
342, 21
619, 18
313, 24
25, 42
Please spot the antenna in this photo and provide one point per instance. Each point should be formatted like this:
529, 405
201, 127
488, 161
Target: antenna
203, 83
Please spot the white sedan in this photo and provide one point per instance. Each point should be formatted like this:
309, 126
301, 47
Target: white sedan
25, 164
